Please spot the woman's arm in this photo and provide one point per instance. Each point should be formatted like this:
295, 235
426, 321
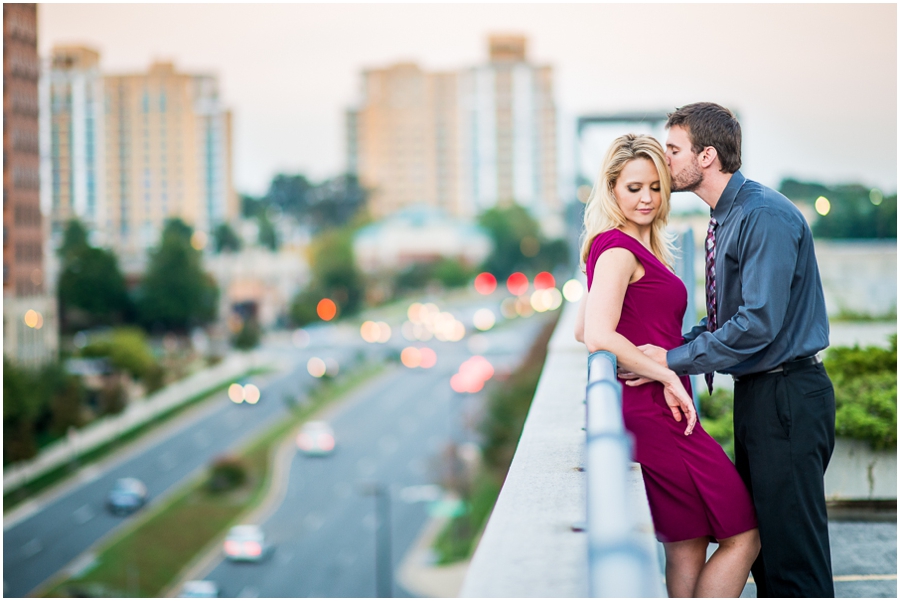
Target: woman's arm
614, 270
579, 320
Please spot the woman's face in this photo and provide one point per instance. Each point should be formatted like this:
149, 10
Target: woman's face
637, 191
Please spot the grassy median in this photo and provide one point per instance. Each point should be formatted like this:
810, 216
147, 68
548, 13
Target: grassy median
143, 561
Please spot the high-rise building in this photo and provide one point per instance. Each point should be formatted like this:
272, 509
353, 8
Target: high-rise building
401, 140
72, 128
461, 141
511, 151
168, 154
29, 314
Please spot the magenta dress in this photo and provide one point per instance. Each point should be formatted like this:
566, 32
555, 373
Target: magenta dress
693, 488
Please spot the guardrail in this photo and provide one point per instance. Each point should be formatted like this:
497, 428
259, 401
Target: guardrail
619, 564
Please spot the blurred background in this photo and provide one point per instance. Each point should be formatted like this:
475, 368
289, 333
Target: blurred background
221, 221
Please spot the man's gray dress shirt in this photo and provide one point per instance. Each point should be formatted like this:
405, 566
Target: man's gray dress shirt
771, 308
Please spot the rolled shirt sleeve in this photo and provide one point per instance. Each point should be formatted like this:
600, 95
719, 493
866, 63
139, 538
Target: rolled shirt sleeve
767, 250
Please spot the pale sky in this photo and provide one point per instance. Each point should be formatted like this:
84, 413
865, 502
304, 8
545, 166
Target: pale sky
815, 85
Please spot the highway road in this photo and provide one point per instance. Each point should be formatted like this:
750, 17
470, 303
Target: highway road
392, 432
58, 530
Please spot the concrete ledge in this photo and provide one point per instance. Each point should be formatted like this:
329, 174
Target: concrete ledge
529, 548
857, 473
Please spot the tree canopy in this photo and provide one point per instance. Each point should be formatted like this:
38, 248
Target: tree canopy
176, 294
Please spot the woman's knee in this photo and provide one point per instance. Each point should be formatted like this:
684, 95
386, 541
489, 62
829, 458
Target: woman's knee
747, 542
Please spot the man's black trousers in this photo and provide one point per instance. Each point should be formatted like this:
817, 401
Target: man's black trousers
783, 439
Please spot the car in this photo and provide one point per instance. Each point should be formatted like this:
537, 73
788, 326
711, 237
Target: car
316, 438
127, 496
199, 589
246, 543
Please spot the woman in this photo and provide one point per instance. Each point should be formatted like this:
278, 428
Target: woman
693, 489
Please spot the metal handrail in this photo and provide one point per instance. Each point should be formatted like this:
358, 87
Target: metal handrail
619, 565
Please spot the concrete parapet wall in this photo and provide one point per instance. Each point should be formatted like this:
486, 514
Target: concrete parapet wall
857, 473
529, 548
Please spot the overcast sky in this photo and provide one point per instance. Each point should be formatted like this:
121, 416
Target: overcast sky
815, 85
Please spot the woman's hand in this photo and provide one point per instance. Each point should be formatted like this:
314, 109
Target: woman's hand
680, 402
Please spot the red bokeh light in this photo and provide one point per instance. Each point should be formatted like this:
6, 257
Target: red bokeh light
517, 283
326, 309
472, 375
544, 280
485, 283
429, 357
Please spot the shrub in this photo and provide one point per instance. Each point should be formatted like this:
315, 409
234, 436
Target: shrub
865, 390
226, 473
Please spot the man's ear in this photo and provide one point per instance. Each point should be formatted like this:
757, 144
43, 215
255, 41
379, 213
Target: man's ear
708, 156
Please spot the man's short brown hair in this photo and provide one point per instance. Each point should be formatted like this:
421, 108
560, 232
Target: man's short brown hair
709, 124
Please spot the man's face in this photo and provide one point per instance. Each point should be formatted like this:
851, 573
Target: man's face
684, 165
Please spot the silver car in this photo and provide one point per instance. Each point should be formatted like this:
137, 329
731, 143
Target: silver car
246, 543
199, 589
127, 495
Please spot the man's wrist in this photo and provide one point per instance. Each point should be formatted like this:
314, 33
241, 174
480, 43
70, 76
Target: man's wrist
678, 360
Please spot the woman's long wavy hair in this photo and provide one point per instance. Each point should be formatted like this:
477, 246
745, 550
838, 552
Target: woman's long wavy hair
602, 212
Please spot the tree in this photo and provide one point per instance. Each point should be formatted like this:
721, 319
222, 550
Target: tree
226, 239
334, 269
176, 294
518, 243
91, 288
335, 202
855, 210
127, 350
248, 336
289, 193
268, 237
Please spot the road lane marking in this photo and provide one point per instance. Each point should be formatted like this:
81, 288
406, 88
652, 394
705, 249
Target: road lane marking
83, 514
31, 548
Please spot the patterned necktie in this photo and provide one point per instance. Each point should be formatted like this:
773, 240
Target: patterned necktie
711, 322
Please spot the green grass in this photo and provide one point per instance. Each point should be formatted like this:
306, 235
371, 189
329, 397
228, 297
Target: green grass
18, 495
144, 560
458, 539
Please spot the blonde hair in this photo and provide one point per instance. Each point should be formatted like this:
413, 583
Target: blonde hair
602, 212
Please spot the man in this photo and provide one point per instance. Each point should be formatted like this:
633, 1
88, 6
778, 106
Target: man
766, 323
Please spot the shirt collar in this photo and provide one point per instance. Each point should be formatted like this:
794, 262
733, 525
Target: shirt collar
726, 201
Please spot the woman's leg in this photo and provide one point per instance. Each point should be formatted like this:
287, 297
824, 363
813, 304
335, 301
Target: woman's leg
725, 574
684, 561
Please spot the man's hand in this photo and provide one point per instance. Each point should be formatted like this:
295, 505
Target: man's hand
631, 378
656, 353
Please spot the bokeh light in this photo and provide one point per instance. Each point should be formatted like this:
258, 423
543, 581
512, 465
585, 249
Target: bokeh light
326, 309
369, 331
332, 367
472, 375
822, 206
485, 283
316, 367
428, 358
517, 283
508, 308
31, 318
300, 338
875, 196
384, 332
484, 319
544, 280
251, 394
411, 357
198, 240
573, 290
236, 393
523, 306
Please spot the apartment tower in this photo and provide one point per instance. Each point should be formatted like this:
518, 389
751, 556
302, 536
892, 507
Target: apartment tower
461, 141
29, 314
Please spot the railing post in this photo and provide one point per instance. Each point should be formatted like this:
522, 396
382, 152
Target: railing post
619, 565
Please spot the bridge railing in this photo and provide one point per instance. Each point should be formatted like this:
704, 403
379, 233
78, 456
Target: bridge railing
620, 565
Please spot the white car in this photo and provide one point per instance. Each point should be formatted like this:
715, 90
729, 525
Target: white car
316, 438
199, 589
246, 543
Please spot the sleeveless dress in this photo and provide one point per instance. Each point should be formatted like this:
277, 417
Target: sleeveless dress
692, 487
